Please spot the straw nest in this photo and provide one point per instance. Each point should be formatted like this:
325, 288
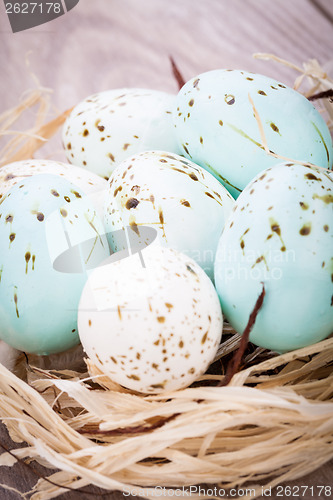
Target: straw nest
272, 423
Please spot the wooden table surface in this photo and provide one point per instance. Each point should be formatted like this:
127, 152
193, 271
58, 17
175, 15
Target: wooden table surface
104, 44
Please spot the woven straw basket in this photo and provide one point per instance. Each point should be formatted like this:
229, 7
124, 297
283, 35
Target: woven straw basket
272, 423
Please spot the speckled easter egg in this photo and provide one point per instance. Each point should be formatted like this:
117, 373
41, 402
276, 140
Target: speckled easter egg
280, 236
217, 128
91, 184
184, 203
110, 126
44, 218
151, 323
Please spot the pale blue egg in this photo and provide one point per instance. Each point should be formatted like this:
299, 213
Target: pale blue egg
217, 128
280, 236
50, 236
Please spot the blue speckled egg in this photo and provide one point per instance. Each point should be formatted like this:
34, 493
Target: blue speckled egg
41, 218
184, 203
91, 184
280, 234
217, 128
108, 127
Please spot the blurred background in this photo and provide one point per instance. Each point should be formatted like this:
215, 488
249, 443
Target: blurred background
103, 44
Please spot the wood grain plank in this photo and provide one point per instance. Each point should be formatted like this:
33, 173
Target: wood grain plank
325, 8
101, 45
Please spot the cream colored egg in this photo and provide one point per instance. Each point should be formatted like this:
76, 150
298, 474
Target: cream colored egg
152, 322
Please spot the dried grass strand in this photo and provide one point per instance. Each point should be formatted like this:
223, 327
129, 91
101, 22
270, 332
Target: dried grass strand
314, 74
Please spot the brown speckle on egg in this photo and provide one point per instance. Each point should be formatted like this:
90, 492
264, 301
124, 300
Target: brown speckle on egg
117, 190
27, 259
132, 203
134, 226
16, 305
305, 229
312, 177
9, 177
119, 313
185, 203
229, 99
76, 194
275, 227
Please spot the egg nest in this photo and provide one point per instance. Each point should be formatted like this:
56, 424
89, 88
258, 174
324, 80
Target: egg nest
272, 423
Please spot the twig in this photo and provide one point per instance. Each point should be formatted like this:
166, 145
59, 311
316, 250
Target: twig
237, 358
321, 95
176, 73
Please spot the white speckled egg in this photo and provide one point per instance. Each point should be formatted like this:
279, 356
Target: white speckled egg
110, 126
184, 203
151, 322
217, 129
92, 185
44, 217
280, 234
